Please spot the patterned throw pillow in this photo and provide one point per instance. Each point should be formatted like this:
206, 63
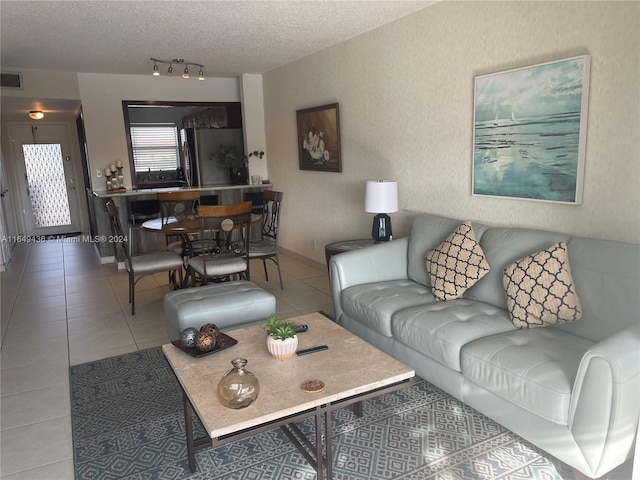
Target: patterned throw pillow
540, 289
456, 264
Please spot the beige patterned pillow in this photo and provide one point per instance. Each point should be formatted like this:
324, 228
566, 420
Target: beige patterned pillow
456, 264
540, 289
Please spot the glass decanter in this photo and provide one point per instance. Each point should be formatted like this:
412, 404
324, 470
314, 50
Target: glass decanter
238, 387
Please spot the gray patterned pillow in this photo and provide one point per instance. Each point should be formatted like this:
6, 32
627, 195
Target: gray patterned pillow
540, 289
456, 264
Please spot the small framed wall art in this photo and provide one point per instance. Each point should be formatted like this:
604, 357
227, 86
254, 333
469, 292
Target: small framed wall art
319, 138
529, 132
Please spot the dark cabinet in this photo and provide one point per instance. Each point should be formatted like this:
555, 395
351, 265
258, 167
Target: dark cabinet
227, 115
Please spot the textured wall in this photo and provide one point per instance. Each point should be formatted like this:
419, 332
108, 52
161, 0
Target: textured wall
44, 84
102, 97
406, 110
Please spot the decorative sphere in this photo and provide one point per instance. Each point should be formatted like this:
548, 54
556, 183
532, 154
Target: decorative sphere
211, 328
205, 341
188, 337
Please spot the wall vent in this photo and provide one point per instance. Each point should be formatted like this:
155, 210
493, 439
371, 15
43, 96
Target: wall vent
11, 80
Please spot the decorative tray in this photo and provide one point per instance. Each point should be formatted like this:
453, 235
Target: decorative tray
222, 342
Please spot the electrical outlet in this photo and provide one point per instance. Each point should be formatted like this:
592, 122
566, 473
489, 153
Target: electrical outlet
98, 173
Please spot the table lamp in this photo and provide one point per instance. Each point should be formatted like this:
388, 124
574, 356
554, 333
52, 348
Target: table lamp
381, 197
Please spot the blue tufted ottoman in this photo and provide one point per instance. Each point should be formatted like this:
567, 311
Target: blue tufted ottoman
226, 304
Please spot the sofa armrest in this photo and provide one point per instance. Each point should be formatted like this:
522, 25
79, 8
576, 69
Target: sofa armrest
605, 404
377, 263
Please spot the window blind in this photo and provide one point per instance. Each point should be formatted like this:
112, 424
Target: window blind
154, 147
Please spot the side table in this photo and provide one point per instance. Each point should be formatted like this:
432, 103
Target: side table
335, 248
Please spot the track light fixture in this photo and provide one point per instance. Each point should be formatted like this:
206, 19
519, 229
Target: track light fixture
177, 61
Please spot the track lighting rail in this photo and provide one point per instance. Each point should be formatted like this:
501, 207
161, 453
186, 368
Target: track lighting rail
179, 62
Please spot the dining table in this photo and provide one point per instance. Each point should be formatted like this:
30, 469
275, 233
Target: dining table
183, 225
188, 225
172, 225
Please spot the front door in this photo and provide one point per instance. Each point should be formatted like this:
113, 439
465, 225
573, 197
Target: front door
48, 188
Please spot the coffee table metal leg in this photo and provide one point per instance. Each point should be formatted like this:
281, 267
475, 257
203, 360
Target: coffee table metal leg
327, 434
188, 423
319, 447
305, 446
314, 452
357, 408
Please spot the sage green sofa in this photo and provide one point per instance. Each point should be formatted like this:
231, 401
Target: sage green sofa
571, 389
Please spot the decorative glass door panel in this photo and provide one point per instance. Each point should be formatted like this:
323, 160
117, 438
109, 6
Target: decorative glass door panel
46, 185
45, 171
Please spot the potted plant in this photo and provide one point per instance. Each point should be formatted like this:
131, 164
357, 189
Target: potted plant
230, 158
282, 341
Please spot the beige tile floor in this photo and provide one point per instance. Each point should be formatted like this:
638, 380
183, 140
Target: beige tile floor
61, 307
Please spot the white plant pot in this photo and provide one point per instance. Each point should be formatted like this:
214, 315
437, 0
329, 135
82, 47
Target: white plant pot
282, 349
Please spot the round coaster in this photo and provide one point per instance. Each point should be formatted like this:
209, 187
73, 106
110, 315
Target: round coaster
312, 386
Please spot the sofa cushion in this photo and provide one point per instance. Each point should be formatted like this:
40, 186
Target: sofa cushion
456, 264
532, 368
373, 304
440, 329
540, 289
607, 266
427, 232
503, 246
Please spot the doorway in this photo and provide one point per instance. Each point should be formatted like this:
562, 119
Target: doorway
48, 189
7, 223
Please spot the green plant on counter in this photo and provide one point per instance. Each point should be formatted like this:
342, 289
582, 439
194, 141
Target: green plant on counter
230, 157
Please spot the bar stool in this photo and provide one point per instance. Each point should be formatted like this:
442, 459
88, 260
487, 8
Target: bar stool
182, 203
257, 201
209, 200
139, 212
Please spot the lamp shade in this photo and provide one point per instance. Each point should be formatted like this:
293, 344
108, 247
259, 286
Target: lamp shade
381, 196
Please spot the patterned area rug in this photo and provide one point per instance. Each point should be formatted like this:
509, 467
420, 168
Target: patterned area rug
128, 424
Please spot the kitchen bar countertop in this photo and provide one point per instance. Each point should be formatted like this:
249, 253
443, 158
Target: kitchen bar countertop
151, 191
99, 218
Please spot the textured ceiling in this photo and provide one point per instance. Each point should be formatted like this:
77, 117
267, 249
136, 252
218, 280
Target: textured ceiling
229, 37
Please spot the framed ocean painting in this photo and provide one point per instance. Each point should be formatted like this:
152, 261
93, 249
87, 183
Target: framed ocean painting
529, 132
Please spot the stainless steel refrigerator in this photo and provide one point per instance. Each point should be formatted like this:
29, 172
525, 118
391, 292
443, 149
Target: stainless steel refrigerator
198, 146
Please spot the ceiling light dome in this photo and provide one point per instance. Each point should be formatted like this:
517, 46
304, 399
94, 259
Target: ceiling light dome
36, 114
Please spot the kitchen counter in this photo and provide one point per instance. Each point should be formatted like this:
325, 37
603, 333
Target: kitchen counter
99, 219
152, 191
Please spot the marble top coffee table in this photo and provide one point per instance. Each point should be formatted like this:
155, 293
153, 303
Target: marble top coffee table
351, 369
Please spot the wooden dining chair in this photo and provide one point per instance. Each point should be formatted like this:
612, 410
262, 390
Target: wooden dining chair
144, 264
224, 233
267, 248
180, 204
